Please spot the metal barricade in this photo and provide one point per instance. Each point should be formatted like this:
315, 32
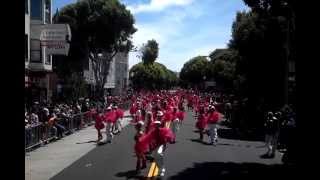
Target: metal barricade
87, 118
32, 135
40, 133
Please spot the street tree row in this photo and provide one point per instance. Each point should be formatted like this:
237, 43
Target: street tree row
255, 63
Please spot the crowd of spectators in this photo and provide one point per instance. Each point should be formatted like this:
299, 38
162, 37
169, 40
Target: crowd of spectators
46, 121
54, 120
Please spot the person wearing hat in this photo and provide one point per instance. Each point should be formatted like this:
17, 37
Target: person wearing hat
160, 137
159, 116
201, 122
175, 123
149, 121
118, 115
98, 117
109, 119
140, 153
213, 118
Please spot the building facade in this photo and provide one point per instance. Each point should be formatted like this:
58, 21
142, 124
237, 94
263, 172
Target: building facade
117, 79
121, 73
38, 63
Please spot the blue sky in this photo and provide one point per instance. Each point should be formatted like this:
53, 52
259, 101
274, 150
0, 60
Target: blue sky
183, 28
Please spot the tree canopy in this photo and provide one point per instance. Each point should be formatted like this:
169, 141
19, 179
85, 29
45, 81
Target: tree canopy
152, 76
98, 27
223, 67
195, 70
149, 74
102, 24
150, 52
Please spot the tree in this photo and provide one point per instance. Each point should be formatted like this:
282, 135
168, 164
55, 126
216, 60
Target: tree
99, 27
223, 67
195, 70
149, 52
281, 13
260, 41
151, 76
263, 38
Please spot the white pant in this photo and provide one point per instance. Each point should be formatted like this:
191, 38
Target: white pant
272, 141
109, 131
175, 126
159, 156
213, 132
118, 125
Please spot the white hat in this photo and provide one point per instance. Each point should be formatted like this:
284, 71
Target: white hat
157, 122
115, 106
109, 108
141, 123
159, 113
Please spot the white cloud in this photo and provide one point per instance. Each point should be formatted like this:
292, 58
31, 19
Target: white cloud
158, 5
183, 33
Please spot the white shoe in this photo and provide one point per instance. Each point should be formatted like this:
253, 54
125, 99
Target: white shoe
162, 172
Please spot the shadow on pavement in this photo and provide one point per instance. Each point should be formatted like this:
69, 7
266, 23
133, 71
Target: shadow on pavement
201, 142
92, 141
225, 144
248, 171
231, 134
130, 175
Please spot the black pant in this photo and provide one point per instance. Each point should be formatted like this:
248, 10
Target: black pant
60, 129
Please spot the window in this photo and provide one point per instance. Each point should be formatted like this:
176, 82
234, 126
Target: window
48, 11
35, 52
26, 6
36, 9
26, 51
48, 60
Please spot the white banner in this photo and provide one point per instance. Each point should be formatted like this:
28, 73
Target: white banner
55, 38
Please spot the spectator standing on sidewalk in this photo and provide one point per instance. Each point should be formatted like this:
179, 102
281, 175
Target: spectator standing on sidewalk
51, 124
77, 116
33, 117
228, 110
27, 125
60, 129
271, 129
44, 118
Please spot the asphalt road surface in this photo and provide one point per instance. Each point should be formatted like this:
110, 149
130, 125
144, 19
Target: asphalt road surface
187, 159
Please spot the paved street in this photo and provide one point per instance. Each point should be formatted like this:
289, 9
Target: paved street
187, 159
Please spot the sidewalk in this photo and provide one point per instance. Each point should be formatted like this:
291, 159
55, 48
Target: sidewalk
45, 162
